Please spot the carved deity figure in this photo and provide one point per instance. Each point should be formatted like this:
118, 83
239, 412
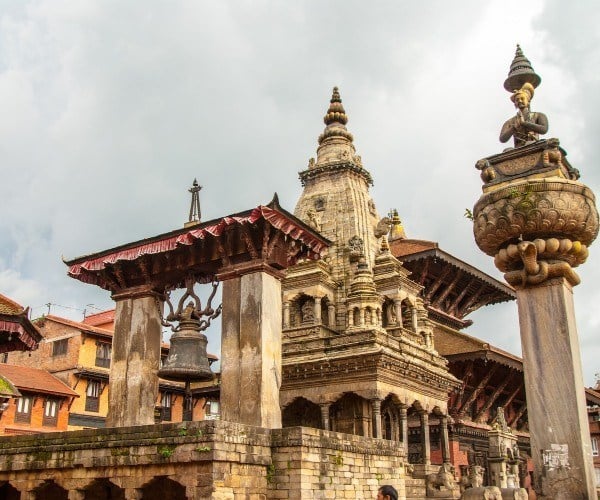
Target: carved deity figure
308, 312
313, 219
526, 126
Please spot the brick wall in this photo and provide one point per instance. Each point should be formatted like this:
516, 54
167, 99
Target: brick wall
211, 460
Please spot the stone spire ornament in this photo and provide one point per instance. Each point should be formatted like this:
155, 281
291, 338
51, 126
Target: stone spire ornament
195, 216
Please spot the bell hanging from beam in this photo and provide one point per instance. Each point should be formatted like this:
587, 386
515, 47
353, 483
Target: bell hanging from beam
187, 359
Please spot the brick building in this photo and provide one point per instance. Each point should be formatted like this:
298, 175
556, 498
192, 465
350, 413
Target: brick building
43, 405
79, 354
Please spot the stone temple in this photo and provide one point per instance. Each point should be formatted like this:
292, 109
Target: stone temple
344, 367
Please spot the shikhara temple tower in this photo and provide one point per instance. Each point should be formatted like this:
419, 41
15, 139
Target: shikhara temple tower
358, 354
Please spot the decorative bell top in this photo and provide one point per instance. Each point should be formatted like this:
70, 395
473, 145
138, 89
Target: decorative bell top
195, 214
521, 72
336, 112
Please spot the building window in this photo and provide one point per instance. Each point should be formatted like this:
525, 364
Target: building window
594, 446
92, 396
59, 347
51, 412
212, 410
165, 403
103, 351
24, 406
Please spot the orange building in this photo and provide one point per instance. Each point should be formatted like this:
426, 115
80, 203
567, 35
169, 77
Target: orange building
79, 354
43, 405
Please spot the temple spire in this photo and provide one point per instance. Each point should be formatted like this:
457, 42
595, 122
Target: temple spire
195, 215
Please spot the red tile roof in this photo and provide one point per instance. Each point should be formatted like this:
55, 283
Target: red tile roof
402, 247
101, 318
78, 325
29, 379
8, 306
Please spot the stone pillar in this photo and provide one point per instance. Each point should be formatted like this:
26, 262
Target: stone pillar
325, 415
350, 318
398, 309
425, 446
251, 349
445, 442
376, 410
415, 323
404, 428
362, 316
286, 314
554, 384
135, 358
318, 320
76, 495
331, 316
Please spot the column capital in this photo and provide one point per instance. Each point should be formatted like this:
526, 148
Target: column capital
253, 266
136, 292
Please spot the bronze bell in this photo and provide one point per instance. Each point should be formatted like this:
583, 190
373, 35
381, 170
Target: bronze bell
187, 359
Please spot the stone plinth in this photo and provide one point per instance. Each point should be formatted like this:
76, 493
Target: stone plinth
202, 460
251, 350
135, 357
536, 219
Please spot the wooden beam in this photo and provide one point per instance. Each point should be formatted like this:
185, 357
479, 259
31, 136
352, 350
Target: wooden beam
464, 310
454, 306
513, 395
424, 272
438, 282
493, 397
442, 296
518, 415
482, 384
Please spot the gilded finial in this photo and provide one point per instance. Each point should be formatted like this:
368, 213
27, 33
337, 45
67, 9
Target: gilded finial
521, 72
397, 231
336, 112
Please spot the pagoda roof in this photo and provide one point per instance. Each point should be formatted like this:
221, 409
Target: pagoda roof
17, 332
205, 248
452, 288
458, 346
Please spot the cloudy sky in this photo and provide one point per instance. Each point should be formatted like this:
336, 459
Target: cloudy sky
110, 109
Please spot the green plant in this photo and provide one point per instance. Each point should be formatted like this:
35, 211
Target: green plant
203, 449
338, 460
183, 431
166, 451
270, 473
468, 214
199, 433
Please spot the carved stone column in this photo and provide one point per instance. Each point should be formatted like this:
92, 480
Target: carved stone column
350, 318
404, 428
415, 318
536, 219
425, 444
398, 310
376, 409
286, 314
135, 358
325, 415
318, 311
331, 316
445, 442
362, 316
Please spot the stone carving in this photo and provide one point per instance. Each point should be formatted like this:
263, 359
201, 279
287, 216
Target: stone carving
486, 493
308, 311
441, 481
526, 126
488, 173
311, 163
372, 208
535, 208
537, 271
320, 203
356, 246
357, 160
383, 227
314, 220
476, 476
